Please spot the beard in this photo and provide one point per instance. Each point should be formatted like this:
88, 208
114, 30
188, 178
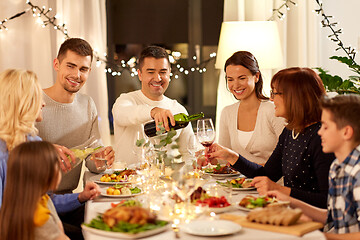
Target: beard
71, 90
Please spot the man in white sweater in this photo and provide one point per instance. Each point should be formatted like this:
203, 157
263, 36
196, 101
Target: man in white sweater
133, 109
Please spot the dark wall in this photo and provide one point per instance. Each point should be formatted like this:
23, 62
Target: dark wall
212, 17
147, 21
160, 21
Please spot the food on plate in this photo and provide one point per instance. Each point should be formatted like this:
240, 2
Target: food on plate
252, 202
127, 219
126, 203
213, 202
237, 183
198, 194
125, 172
200, 198
122, 189
279, 215
133, 214
118, 176
220, 169
112, 178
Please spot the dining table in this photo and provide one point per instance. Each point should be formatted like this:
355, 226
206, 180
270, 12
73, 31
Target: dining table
102, 202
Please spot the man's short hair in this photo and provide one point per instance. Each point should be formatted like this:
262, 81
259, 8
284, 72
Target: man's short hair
153, 51
345, 110
77, 45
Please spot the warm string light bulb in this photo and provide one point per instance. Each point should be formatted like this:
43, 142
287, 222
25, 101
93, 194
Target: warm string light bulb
277, 12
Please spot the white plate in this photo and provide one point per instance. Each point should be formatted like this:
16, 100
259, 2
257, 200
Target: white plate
243, 208
97, 180
220, 210
211, 227
249, 209
223, 175
101, 208
239, 189
103, 193
120, 235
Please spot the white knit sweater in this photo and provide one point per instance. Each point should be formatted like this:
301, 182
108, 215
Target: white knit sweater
133, 109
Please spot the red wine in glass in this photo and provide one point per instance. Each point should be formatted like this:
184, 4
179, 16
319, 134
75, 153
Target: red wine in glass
206, 143
206, 132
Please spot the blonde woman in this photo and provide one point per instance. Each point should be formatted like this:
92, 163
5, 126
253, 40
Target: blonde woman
20, 107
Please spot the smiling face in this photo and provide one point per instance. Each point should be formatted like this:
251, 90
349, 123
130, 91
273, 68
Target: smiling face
72, 71
154, 76
330, 135
240, 81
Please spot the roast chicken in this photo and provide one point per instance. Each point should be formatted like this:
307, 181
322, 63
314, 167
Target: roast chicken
131, 214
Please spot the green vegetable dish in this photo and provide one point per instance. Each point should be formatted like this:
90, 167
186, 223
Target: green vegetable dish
125, 227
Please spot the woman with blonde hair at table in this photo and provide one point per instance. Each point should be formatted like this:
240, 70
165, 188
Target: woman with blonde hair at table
20, 106
27, 212
298, 156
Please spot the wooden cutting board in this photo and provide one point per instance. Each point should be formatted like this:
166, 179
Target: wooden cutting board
298, 229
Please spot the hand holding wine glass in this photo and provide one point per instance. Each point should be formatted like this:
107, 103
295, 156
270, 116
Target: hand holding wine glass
206, 132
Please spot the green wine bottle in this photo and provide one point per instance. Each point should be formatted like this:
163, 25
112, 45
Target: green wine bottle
181, 121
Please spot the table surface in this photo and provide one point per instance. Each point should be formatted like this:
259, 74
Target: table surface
245, 233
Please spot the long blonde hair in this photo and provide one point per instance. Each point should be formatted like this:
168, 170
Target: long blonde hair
33, 169
20, 104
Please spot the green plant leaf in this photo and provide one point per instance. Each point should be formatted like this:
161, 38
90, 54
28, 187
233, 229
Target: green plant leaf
175, 146
349, 62
140, 142
171, 133
346, 84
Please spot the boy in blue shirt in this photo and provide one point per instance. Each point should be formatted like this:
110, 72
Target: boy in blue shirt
340, 134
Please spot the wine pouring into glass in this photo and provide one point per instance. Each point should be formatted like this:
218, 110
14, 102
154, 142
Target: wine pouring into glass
206, 133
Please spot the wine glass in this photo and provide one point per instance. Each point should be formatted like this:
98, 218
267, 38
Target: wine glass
140, 147
194, 148
206, 132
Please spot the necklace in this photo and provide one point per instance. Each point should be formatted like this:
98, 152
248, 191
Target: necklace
296, 136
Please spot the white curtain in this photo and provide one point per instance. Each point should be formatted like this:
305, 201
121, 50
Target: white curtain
27, 45
299, 35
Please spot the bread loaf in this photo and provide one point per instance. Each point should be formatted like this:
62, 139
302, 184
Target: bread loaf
277, 215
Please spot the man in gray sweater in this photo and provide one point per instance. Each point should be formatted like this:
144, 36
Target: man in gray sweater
70, 118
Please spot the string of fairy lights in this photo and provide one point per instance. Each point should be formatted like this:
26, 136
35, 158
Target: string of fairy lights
46, 17
334, 36
278, 12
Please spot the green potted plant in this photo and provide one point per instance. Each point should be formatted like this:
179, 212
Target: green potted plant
334, 83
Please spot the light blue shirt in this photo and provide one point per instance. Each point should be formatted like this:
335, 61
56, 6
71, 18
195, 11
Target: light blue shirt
63, 203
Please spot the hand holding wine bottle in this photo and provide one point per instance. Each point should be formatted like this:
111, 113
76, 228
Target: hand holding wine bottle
181, 121
162, 115
206, 132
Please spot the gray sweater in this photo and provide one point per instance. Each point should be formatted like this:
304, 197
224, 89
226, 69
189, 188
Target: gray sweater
73, 125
